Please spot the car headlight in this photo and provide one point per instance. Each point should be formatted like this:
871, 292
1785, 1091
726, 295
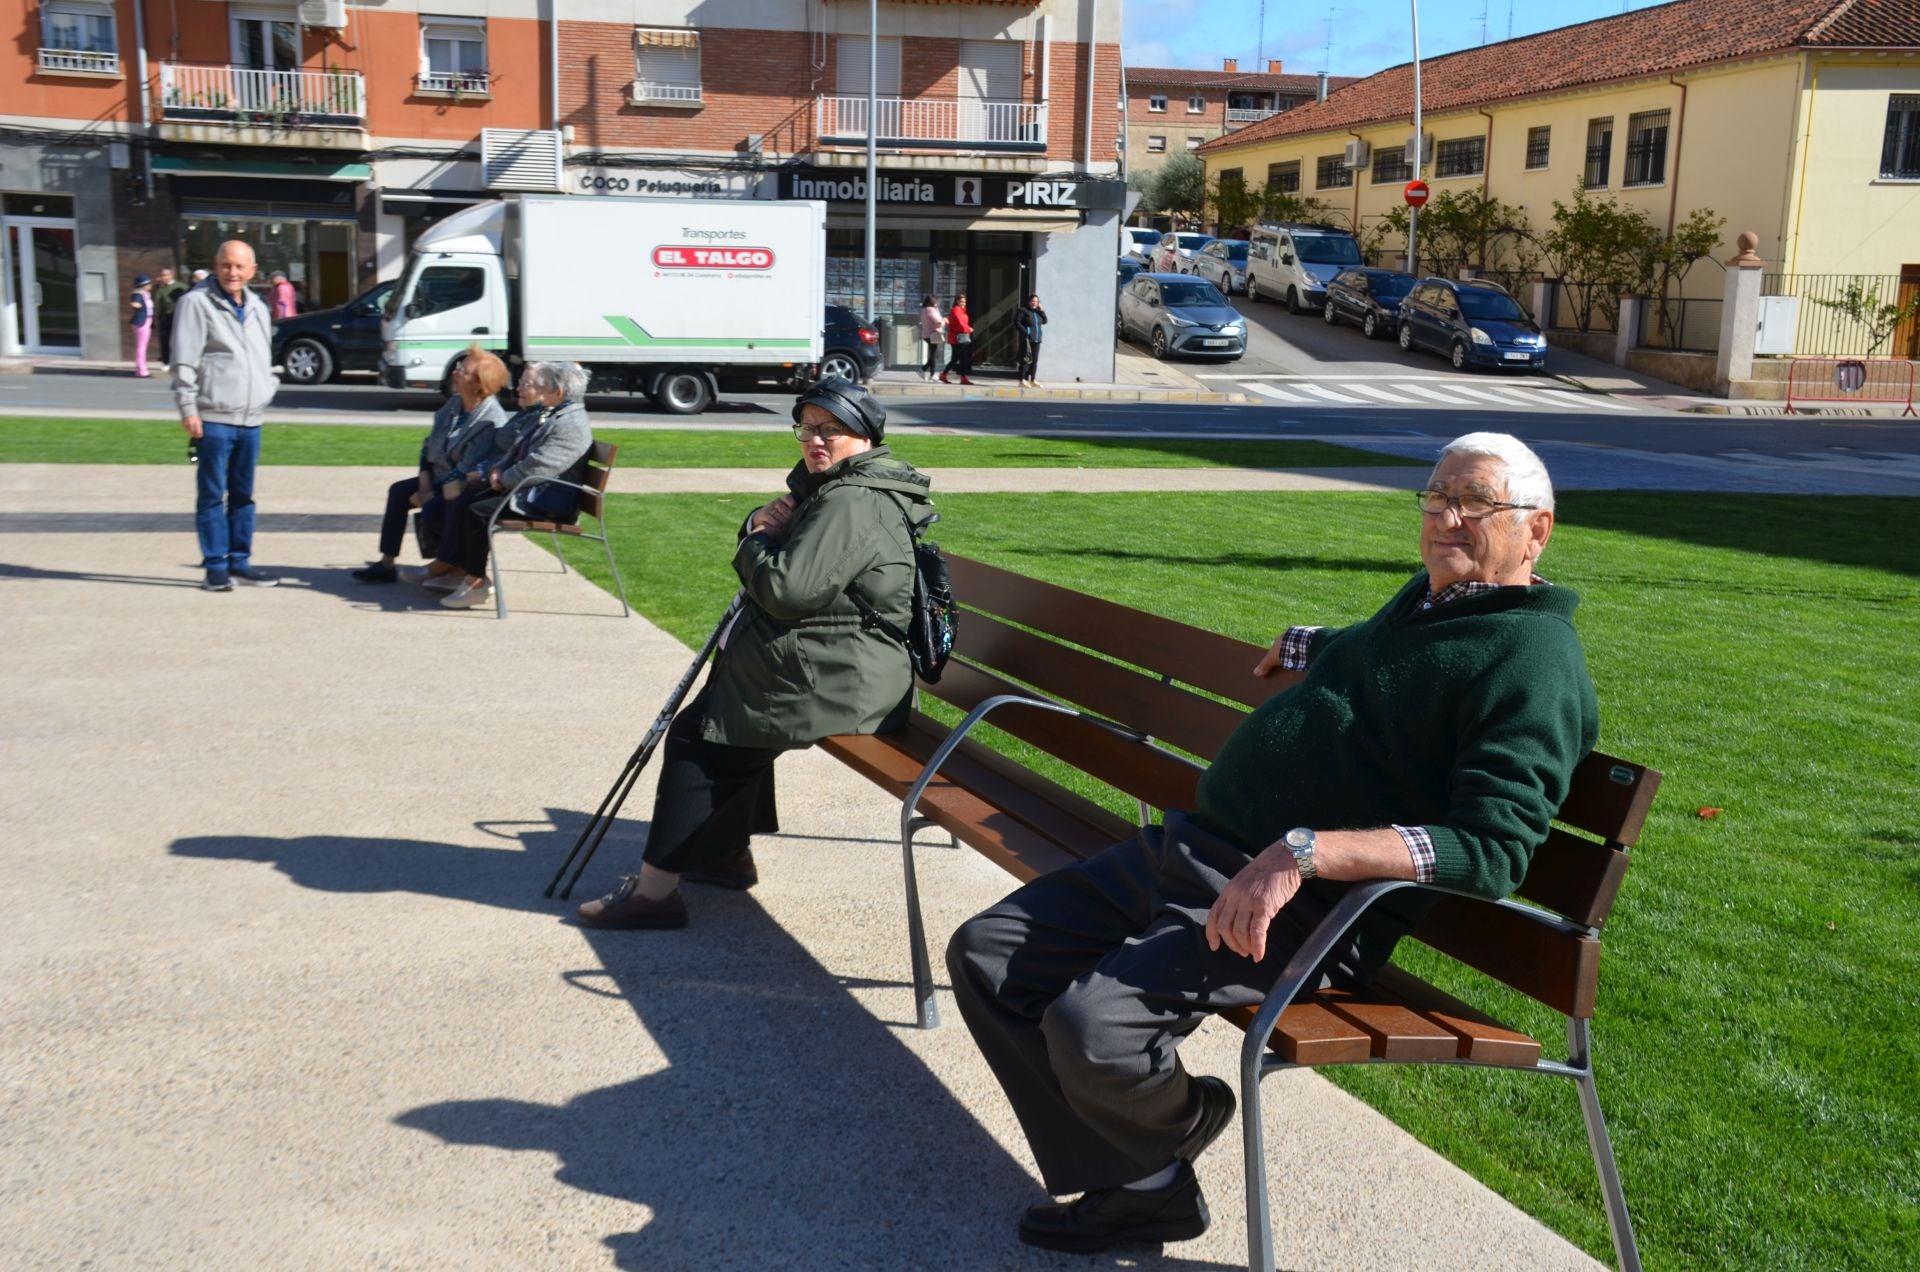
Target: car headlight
1229, 331
1178, 321
1480, 337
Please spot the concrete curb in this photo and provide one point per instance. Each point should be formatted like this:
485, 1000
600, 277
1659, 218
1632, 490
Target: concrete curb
1061, 393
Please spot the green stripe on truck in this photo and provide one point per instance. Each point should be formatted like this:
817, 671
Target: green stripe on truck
634, 335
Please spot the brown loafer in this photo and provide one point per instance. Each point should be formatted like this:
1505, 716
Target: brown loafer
735, 872
624, 907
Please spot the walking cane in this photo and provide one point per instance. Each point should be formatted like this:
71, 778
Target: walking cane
609, 809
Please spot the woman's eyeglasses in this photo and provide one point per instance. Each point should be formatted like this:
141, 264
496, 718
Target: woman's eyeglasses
825, 432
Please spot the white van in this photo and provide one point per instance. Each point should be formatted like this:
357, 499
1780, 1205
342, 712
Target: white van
1294, 263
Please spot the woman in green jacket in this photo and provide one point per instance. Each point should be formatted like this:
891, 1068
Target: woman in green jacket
797, 664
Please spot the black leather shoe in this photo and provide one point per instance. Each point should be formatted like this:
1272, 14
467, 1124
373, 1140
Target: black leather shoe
736, 872
1117, 1216
1216, 1115
624, 907
377, 573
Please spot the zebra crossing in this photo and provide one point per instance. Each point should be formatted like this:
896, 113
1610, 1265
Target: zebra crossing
1417, 391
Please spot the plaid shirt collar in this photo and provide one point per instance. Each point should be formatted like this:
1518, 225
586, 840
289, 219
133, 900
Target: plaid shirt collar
1470, 587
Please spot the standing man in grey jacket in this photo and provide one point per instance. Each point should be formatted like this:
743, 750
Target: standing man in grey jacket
223, 382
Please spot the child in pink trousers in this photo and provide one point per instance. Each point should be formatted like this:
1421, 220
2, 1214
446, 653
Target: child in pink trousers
141, 321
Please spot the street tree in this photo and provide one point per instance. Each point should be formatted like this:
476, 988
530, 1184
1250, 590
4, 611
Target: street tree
1861, 302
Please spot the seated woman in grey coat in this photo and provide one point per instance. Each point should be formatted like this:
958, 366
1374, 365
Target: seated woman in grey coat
550, 437
462, 436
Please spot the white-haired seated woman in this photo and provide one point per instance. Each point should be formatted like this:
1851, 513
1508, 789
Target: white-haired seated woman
550, 438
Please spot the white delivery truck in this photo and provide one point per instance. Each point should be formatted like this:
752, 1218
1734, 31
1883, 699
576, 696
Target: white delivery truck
668, 297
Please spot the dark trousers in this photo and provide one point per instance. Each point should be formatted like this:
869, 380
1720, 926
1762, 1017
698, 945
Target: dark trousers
463, 538
962, 363
163, 336
711, 799
1029, 359
1080, 986
223, 511
393, 522
932, 364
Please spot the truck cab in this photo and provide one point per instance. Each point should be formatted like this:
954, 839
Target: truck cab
455, 293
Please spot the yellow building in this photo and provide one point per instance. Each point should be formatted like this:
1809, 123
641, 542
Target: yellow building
1796, 119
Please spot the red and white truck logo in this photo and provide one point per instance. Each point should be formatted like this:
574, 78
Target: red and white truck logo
690, 257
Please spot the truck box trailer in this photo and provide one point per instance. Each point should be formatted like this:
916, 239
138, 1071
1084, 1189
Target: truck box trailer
668, 297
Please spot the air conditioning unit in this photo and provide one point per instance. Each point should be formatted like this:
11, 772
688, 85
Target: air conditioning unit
520, 159
323, 13
1426, 149
1359, 154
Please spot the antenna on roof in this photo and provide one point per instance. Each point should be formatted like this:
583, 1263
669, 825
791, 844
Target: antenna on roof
1483, 20
1326, 59
1260, 56
1509, 19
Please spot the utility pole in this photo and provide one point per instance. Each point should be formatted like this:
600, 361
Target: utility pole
1419, 150
873, 132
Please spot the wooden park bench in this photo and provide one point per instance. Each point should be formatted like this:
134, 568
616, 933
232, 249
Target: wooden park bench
593, 503
1119, 695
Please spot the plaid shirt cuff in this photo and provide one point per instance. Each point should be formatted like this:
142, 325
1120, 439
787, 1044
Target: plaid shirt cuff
1420, 848
1294, 646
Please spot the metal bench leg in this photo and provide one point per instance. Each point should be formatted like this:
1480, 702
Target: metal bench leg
1259, 1222
1619, 1224
493, 563
926, 1010
607, 543
561, 556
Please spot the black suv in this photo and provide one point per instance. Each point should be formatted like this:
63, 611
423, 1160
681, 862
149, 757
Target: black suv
1370, 297
312, 348
1474, 323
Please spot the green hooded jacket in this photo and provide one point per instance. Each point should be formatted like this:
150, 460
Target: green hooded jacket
797, 667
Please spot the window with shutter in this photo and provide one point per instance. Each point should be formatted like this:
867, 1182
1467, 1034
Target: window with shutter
1900, 147
851, 74
666, 66
453, 55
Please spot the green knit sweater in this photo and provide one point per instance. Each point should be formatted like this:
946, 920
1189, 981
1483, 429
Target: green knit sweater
1466, 719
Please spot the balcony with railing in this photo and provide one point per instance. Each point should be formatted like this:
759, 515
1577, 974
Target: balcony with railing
453, 83
1241, 116
79, 62
935, 123
661, 93
241, 95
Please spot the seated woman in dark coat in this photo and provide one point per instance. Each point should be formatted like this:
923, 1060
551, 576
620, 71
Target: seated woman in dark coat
797, 664
550, 437
462, 434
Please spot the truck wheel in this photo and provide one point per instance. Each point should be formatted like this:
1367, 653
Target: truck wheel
682, 393
840, 364
306, 361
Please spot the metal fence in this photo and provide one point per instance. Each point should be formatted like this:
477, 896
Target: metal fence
1568, 300
1692, 325
1824, 327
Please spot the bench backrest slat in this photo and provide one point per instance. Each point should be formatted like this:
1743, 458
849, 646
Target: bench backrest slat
1575, 877
1557, 968
599, 471
1609, 798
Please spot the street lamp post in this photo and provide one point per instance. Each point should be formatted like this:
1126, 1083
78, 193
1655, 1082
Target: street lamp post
1419, 150
873, 126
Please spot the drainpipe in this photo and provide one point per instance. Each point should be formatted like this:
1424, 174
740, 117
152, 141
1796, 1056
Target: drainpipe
1356, 187
146, 94
553, 62
1794, 199
1093, 53
1126, 123
1679, 135
1486, 175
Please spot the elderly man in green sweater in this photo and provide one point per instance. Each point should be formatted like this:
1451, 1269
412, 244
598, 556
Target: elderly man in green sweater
1432, 742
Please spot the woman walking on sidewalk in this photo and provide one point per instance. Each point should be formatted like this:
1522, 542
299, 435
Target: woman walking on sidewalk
933, 330
960, 336
141, 321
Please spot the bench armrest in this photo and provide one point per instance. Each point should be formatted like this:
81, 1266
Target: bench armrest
953, 739
526, 483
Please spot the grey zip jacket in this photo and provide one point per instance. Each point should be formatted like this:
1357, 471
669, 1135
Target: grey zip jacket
222, 363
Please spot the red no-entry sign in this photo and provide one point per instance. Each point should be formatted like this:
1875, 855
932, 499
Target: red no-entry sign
1416, 194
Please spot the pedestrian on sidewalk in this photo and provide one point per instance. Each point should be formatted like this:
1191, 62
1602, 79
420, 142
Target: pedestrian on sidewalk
286, 301
141, 320
167, 291
933, 333
223, 382
960, 336
1029, 323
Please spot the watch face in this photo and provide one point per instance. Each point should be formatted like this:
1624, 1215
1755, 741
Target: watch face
1298, 837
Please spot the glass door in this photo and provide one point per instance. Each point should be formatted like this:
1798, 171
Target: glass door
993, 293
44, 278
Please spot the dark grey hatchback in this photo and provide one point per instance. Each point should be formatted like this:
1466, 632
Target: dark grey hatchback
1474, 323
1368, 297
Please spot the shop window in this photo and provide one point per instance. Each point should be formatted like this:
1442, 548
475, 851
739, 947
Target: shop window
1647, 148
78, 35
1599, 152
1330, 172
1156, 145
1539, 143
1284, 178
1462, 157
666, 66
1900, 148
453, 55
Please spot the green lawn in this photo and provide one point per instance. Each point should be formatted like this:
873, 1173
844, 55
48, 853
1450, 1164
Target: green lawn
1756, 1035
61, 441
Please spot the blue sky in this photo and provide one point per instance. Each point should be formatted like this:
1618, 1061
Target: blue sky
1368, 35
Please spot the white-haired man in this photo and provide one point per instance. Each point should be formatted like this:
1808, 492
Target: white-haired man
1432, 741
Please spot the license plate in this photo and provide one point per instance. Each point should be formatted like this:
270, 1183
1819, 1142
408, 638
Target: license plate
1216, 344
1519, 357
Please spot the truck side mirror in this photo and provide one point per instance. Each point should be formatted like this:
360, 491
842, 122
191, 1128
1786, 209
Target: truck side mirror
1286, 258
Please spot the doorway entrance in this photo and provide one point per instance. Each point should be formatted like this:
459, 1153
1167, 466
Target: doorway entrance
43, 283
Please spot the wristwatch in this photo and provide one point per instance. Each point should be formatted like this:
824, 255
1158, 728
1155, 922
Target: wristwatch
1299, 842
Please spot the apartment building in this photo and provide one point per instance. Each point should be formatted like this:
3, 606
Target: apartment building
1168, 109
135, 133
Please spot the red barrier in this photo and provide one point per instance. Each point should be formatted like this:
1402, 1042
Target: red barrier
1855, 381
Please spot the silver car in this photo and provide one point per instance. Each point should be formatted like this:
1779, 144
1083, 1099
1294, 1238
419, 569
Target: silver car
1176, 250
1180, 314
1223, 263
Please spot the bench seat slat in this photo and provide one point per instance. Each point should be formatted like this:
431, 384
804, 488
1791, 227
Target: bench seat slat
1482, 1038
1396, 1032
539, 527
1308, 1033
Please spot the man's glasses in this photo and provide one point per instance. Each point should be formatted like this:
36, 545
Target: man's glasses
1470, 507
825, 432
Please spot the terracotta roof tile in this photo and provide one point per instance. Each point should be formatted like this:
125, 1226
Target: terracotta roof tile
1653, 41
1261, 82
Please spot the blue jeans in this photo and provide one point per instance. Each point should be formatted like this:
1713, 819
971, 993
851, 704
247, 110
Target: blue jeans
223, 512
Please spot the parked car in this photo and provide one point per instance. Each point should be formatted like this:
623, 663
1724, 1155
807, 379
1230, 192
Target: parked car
1223, 263
1138, 240
1130, 266
1474, 323
1369, 297
1175, 313
852, 347
314, 347
1176, 249
1294, 263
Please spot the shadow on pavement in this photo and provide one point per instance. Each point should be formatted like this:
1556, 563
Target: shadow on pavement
788, 1127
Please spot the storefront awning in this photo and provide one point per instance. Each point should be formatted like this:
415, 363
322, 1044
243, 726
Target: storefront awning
172, 165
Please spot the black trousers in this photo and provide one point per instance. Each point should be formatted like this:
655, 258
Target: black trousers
711, 799
1080, 987
463, 540
1029, 359
932, 364
163, 337
393, 522
962, 363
